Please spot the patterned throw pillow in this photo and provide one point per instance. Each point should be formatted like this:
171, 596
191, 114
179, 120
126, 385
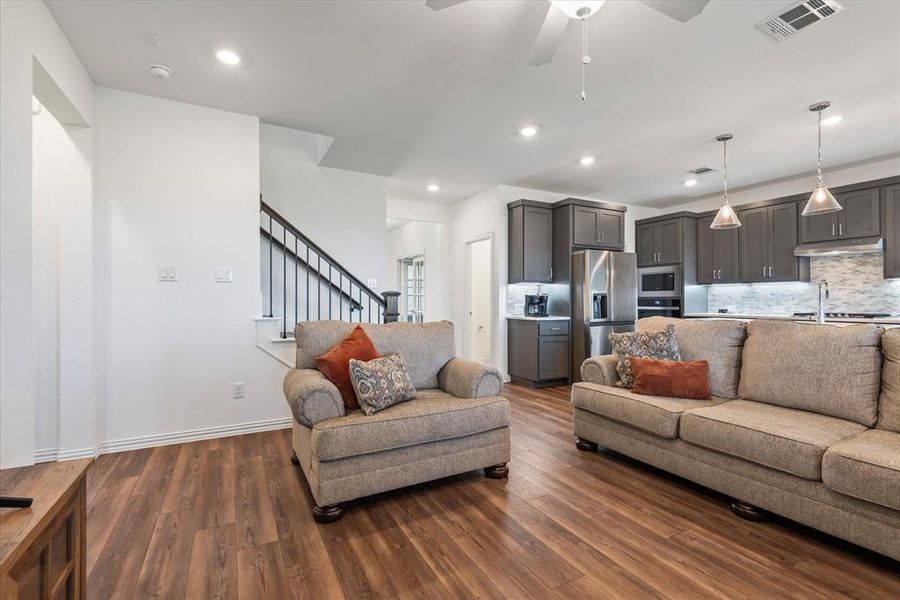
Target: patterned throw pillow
642, 344
381, 382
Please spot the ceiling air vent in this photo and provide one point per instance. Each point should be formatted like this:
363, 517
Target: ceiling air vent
701, 170
795, 17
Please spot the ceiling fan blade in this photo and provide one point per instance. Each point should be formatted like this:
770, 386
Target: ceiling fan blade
548, 37
442, 4
680, 10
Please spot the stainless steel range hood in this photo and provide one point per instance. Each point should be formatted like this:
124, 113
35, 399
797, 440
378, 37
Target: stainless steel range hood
866, 245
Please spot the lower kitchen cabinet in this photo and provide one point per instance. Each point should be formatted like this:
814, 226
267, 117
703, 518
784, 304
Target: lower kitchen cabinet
538, 351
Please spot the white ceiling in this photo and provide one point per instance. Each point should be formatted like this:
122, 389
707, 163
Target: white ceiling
423, 96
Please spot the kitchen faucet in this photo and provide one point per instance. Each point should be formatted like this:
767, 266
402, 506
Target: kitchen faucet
824, 294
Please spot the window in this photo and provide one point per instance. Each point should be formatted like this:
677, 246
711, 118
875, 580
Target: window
412, 275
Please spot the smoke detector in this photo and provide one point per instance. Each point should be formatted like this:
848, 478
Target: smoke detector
791, 19
160, 71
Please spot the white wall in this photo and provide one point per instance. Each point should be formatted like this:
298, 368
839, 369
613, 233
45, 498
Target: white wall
485, 213
28, 33
888, 167
431, 240
341, 211
178, 184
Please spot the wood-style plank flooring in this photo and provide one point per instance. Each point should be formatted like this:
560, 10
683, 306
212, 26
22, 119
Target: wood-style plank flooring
230, 518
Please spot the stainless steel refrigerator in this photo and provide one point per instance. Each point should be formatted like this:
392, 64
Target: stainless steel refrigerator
604, 300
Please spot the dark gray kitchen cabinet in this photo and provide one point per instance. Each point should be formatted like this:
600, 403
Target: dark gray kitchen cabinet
860, 217
891, 223
538, 350
717, 253
767, 238
598, 228
659, 243
530, 242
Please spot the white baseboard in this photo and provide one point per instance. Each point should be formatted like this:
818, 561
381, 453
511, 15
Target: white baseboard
164, 439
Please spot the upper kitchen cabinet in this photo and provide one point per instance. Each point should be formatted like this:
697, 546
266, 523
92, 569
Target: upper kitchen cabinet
659, 242
860, 217
767, 238
581, 224
891, 231
717, 253
530, 242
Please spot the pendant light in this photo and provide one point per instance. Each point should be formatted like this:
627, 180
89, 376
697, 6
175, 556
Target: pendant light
821, 201
726, 217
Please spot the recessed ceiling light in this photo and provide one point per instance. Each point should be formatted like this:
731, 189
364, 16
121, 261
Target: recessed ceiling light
433, 187
690, 182
587, 160
228, 57
528, 131
833, 120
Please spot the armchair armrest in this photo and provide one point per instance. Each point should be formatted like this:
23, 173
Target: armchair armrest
312, 397
600, 369
469, 379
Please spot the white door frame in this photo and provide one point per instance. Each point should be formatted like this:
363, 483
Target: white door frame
467, 276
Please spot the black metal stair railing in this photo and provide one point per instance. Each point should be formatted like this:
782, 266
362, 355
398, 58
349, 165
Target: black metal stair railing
328, 290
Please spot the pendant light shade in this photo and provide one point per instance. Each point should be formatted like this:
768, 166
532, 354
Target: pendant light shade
821, 201
726, 218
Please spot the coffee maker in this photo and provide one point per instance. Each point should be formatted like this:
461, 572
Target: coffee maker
536, 305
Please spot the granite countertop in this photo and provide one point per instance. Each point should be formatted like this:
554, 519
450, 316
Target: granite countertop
786, 317
524, 318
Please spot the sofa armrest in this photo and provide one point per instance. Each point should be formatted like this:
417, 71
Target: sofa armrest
600, 369
312, 397
469, 379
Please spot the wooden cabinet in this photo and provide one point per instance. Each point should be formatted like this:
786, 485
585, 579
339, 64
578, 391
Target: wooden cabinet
891, 225
767, 239
42, 548
659, 243
860, 217
597, 228
717, 253
538, 350
530, 242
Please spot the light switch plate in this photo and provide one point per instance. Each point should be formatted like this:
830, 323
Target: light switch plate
223, 275
237, 390
167, 272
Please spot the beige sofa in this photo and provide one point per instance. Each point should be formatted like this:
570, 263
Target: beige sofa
804, 422
456, 423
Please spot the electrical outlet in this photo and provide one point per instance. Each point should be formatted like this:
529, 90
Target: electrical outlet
167, 272
224, 275
237, 390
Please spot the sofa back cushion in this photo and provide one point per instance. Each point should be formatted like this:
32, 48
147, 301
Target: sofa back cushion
719, 343
827, 369
426, 347
889, 403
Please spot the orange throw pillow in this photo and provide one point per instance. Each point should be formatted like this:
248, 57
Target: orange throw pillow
675, 379
335, 364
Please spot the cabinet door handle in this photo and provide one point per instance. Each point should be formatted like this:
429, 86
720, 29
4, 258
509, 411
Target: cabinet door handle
770, 271
841, 229
720, 274
714, 273
832, 230
764, 272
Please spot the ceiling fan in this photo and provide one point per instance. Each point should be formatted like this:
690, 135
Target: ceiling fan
560, 12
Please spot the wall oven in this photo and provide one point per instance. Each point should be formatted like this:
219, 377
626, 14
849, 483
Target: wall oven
658, 307
659, 282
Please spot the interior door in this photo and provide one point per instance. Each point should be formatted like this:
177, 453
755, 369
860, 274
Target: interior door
585, 227
782, 241
645, 244
479, 301
669, 242
705, 251
754, 244
861, 216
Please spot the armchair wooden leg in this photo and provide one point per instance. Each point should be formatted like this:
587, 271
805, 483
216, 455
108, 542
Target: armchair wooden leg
497, 471
328, 514
294, 458
748, 511
585, 445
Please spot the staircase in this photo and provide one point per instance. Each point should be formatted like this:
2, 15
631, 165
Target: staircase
302, 282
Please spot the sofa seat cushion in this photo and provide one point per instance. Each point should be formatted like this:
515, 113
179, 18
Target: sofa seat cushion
866, 466
432, 416
658, 415
785, 439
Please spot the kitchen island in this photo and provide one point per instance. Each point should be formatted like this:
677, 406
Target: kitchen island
893, 321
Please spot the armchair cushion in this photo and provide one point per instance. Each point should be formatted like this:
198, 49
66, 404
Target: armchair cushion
469, 379
312, 397
335, 364
600, 369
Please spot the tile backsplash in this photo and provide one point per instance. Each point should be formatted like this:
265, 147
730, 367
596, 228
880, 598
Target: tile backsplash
856, 286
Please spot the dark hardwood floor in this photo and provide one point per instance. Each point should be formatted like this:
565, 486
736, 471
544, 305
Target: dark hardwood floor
230, 518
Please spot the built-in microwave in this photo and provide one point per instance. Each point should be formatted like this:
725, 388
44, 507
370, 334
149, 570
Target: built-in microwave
659, 282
